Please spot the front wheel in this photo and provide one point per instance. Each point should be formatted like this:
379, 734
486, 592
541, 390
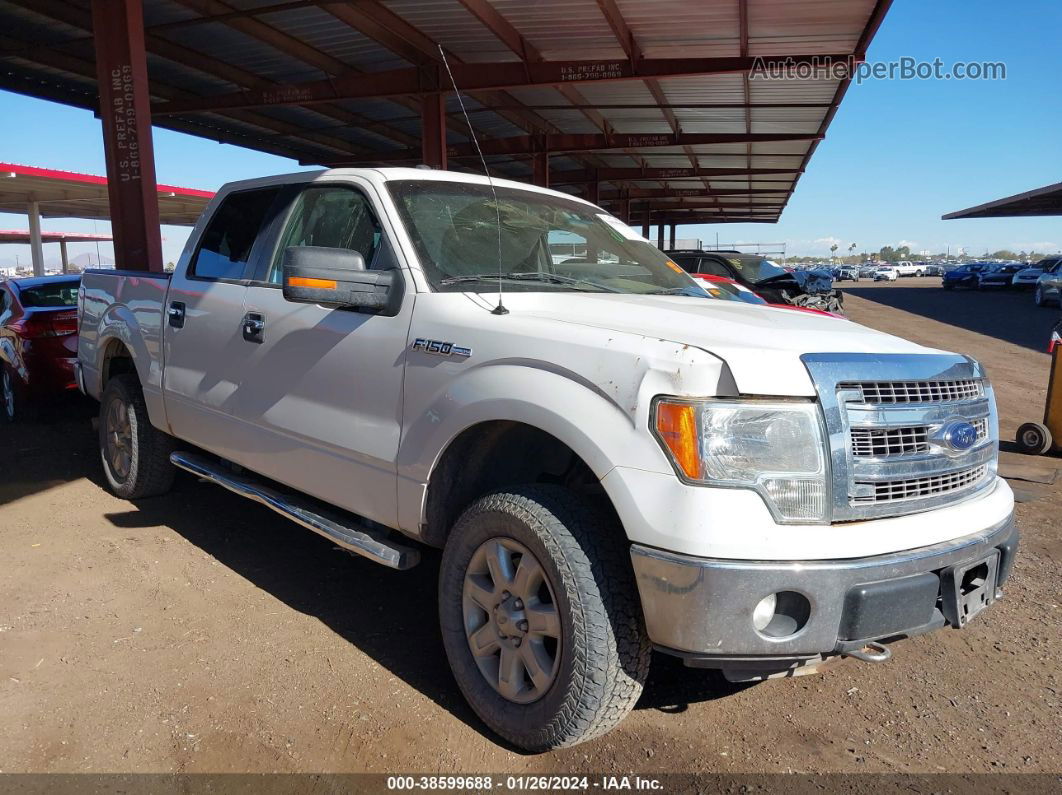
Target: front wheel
540, 617
1038, 297
135, 454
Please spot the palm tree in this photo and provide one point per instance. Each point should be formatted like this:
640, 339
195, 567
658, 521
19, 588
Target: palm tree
833, 252
851, 249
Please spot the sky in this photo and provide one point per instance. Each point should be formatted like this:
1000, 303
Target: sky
898, 155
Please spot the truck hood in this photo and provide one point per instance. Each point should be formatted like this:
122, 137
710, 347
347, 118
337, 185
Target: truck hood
761, 345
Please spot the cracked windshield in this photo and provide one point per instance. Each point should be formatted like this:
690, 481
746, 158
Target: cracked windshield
543, 243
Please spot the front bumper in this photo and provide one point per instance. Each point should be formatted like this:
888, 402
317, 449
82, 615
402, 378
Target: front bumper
701, 609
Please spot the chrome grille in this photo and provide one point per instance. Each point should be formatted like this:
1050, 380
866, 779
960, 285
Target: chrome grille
913, 488
902, 392
887, 442
886, 417
881, 442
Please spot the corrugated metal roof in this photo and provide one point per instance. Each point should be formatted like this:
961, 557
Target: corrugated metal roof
213, 48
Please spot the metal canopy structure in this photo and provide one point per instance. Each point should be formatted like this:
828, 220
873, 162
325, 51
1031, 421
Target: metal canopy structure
627, 102
48, 193
1042, 201
62, 238
67, 194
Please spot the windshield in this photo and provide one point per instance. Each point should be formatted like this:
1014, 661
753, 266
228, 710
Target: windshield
546, 243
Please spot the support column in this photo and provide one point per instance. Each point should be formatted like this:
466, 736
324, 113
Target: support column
645, 224
433, 131
63, 256
674, 228
540, 164
36, 246
625, 209
125, 110
593, 192
660, 236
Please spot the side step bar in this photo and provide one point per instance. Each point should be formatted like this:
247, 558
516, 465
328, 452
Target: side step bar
360, 540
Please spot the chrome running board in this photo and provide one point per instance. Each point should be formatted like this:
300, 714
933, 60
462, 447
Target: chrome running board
361, 540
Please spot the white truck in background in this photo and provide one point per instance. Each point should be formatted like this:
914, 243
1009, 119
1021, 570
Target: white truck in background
906, 268
612, 461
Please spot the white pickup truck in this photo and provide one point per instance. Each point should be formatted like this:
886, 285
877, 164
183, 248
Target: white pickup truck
612, 460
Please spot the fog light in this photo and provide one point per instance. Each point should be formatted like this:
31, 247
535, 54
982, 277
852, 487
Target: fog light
764, 612
781, 614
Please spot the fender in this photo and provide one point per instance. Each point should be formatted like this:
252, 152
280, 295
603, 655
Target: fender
605, 424
143, 341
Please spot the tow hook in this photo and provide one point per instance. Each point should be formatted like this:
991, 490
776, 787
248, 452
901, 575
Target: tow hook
871, 653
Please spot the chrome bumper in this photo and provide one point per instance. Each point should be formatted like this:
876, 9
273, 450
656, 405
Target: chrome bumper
701, 609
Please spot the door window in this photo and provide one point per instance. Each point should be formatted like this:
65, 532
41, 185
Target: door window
330, 217
225, 248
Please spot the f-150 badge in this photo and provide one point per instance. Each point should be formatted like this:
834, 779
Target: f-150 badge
440, 348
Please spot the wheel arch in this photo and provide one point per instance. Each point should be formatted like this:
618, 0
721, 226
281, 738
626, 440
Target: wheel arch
494, 454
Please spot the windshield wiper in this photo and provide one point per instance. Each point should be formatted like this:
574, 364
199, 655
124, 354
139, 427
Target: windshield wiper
531, 276
692, 292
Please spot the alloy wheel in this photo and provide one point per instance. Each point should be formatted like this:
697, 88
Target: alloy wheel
119, 439
511, 620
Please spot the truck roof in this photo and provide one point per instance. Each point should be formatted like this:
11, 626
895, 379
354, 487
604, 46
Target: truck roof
396, 174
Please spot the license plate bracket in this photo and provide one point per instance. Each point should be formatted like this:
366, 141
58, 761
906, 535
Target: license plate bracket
968, 588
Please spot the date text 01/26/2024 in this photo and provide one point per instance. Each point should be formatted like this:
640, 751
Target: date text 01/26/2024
523, 783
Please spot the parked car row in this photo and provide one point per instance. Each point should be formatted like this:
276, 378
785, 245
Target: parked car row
1044, 278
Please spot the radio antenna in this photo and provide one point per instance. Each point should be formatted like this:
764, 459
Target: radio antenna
500, 308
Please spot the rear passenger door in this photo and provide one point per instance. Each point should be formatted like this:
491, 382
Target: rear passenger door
322, 386
205, 358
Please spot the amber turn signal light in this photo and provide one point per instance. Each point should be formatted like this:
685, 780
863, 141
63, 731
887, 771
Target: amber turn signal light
318, 284
676, 425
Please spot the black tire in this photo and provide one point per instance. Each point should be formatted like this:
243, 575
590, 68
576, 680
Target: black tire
603, 656
1033, 438
13, 404
149, 471
1039, 298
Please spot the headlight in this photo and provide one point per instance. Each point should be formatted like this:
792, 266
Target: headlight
775, 448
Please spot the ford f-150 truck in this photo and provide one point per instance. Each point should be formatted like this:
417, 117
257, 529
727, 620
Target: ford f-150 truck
612, 461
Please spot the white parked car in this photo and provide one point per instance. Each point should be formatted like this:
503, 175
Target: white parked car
611, 461
886, 274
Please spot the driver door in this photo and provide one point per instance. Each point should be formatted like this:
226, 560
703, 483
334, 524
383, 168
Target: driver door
322, 386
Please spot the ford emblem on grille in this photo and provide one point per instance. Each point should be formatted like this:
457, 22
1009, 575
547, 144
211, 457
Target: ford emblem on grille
960, 436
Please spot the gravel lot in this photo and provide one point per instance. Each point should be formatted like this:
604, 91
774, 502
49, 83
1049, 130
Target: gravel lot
201, 632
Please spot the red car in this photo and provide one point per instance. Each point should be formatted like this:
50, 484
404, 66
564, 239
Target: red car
38, 342
728, 289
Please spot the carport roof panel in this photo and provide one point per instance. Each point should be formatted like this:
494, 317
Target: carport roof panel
203, 50
1042, 201
67, 194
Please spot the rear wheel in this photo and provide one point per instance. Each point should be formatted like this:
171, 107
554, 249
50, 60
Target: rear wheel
540, 617
1034, 438
135, 454
13, 405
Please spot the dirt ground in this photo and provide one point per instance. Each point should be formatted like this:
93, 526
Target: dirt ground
201, 632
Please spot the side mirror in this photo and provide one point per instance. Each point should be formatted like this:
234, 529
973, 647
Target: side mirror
337, 277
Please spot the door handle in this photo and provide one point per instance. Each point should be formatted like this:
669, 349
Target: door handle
175, 313
254, 327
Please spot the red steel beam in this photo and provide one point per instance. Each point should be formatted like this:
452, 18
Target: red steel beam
433, 131
540, 169
588, 142
432, 79
125, 111
678, 193
631, 174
